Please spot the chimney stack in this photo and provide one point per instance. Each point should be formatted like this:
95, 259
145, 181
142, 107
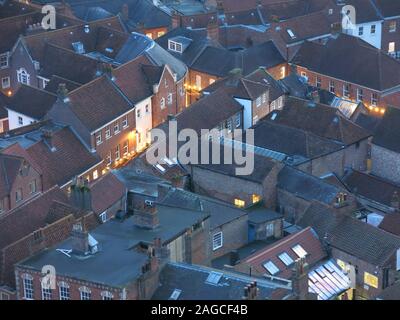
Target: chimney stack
125, 12
80, 239
62, 92
176, 20
300, 279
145, 215
80, 194
395, 201
213, 31
251, 291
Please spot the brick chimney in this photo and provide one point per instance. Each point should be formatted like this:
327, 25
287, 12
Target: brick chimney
145, 215
80, 239
80, 194
300, 279
175, 20
62, 92
395, 201
213, 31
251, 291
125, 12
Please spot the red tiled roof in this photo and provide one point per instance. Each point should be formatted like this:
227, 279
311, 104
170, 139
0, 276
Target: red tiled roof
105, 192
307, 238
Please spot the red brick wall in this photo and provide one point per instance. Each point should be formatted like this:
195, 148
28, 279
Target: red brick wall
155, 33
191, 82
388, 37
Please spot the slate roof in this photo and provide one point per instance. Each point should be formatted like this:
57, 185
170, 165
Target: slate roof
371, 187
306, 238
32, 102
387, 133
352, 60
55, 81
388, 8
9, 169
391, 223
306, 186
321, 120
192, 281
62, 148
350, 235
390, 293
366, 10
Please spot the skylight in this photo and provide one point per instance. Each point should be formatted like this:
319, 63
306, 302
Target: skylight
78, 47
160, 168
271, 267
175, 295
214, 277
286, 259
291, 33
298, 249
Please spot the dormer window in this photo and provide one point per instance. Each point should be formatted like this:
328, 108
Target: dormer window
175, 46
23, 76
291, 34
78, 47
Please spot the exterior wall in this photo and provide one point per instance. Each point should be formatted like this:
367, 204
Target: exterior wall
325, 80
291, 207
4, 125
108, 146
388, 36
373, 39
154, 33
144, 123
363, 290
192, 88
235, 236
279, 72
13, 120
261, 229
385, 163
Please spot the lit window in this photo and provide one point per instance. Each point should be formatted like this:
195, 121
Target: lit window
360, 95
271, 268
256, 198
211, 81
286, 259
95, 174
117, 153
299, 250
392, 26
126, 148
28, 286
149, 35
371, 280
217, 240
198, 82
392, 47
160, 33
85, 293
239, 203
374, 99
5, 82
64, 291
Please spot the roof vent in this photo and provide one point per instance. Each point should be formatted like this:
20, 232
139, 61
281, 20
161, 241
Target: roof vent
86, 28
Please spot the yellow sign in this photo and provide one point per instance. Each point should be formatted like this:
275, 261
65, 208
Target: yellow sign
370, 280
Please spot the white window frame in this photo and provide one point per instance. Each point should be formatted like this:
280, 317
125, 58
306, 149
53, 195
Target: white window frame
47, 293
238, 120
391, 23
6, 80
108, 133
107, 295
373, 28
117, 153
169, 98
95, 174
125, 122
361, 31
103, 217
360, 95
32, 183
27, 281
116, 128
125, 148
374, 101
286, 259
20, 121
258, 102
346, 90
85, 293
332, 87
4, 63
99, 138
23, 76
318, 82
63, 289
300, 251
175, 46
270, 230
218, 240
162, 103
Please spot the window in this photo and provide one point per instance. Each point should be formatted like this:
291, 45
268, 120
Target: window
258, 102
299, 250
169, 99
5, 82
392, 47
286, 259
374, 99
23, 76
1, 205
117, 153
318, 82
4, 296
116, 128
392, 26
238, 120
149, 35
125, 148
3, 60
18, 195
28, 286
147, 108
108, 133
303, 74
181, 90
373, 29
64, 291
229, 125
98, 139
271, 268
371, 280
160, 33
346, 90
107, 295
162, 103
108, 159
269, 230
211, 81
217, 240
361, 31
103, 217
239, 203
125, 122
264, 98
360, 95
138, 113
331, 86
174, 46
32, 187
256, 198
46, 294
20, 121
95, 174
198, 82
85, 293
